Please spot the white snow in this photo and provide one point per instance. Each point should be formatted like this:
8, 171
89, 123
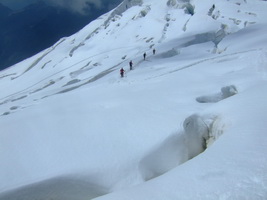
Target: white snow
187, 123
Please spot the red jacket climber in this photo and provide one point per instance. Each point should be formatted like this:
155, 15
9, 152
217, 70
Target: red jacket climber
122, 72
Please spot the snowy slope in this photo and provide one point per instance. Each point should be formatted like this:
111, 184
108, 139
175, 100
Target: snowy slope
187, 123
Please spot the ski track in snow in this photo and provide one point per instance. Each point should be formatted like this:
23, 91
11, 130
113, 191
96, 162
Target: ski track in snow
194, 64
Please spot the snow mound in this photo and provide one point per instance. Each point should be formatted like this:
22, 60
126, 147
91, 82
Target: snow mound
226, 92
201, 131
196, 131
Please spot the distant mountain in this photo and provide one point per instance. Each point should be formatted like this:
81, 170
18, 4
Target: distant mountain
26, 32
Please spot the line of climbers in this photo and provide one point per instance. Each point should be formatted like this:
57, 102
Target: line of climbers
122, 71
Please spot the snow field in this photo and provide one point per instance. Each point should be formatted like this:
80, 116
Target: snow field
81, 128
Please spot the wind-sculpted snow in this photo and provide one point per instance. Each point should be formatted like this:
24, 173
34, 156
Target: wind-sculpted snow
198, 133
182, 4
95, 78
144, 12
226, 92
201, 131
42, 56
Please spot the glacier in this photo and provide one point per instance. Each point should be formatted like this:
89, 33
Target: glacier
186, 123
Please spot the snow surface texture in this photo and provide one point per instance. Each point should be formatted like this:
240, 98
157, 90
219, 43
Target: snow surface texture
186, 123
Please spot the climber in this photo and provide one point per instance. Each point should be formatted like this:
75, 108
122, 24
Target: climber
122, 72
131, 65
144, 55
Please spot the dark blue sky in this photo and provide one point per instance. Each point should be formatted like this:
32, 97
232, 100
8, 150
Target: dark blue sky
17, 4
74, 5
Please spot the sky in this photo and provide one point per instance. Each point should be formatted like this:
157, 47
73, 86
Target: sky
75, 5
